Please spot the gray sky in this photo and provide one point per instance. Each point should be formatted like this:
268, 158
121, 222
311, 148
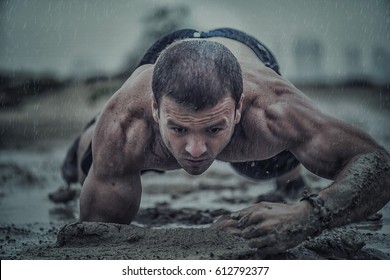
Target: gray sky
70, 36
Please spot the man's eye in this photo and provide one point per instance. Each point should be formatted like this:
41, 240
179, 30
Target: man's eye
179, 130
214, 130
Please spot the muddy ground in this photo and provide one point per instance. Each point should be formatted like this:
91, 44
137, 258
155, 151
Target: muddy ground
176, 209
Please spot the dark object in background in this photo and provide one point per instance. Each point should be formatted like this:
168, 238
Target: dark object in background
15, 87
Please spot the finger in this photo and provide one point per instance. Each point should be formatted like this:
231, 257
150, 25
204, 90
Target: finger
229, 226
253, 232
251, 219
222, 219
238, 215
224, 223
244, 220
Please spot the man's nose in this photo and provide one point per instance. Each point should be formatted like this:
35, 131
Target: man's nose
196, 147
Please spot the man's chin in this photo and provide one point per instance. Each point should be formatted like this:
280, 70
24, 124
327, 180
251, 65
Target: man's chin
194, 171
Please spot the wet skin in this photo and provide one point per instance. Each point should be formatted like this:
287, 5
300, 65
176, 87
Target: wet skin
131, 136
194, 138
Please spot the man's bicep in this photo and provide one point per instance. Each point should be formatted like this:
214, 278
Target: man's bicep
331, 146
112, 199
323, 144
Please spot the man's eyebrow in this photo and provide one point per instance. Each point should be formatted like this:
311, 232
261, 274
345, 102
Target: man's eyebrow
222, 122
173, 123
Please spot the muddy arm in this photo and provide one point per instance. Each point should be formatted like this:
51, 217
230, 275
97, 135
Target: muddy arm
359, 190
357, 164
359, 167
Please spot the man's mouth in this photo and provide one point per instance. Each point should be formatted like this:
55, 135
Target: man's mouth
195, 160
195, 166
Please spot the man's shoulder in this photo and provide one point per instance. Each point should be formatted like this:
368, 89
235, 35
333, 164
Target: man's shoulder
273, 114
142, 76
125, 126
122, 140
265, 88
131, 104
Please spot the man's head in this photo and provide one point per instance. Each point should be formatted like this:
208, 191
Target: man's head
197, 87
197, 74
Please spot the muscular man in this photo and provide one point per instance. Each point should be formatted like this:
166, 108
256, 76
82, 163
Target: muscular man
197, 97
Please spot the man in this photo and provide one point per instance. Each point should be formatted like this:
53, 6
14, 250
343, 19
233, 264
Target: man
197, 97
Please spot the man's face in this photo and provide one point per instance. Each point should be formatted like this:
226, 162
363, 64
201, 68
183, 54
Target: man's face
195, 138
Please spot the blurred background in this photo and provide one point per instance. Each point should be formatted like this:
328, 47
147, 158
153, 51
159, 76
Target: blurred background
322, 41
60, 60
82, 51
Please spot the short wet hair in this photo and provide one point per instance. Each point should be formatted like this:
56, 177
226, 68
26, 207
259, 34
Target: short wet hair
197, 74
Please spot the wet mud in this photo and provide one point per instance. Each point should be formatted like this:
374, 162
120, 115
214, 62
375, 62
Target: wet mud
113, 241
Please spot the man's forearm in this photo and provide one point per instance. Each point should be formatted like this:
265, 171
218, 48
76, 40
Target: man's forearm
112, 203
361, 189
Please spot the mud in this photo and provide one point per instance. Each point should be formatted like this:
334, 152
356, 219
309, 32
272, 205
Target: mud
113, 241
176, 209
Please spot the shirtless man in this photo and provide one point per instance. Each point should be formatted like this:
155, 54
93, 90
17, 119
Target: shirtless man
197, 97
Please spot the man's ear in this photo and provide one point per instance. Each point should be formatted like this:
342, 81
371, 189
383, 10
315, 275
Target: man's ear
239, 109
155, 110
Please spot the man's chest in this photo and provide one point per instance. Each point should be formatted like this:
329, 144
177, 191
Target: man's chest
246, 147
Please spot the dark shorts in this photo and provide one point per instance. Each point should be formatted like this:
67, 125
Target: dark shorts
260, 50
264, 169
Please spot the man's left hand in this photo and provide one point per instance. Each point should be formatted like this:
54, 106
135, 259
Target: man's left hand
271, 227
